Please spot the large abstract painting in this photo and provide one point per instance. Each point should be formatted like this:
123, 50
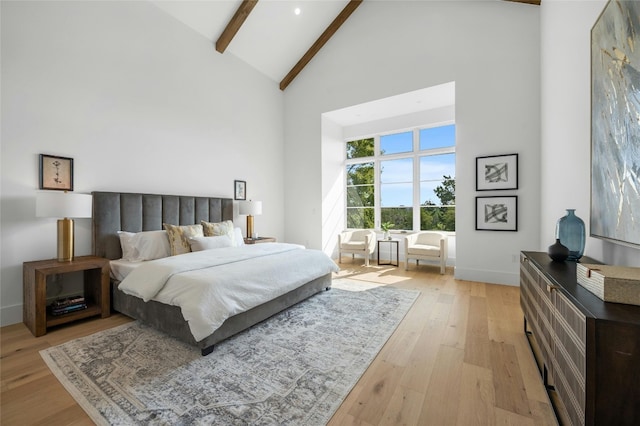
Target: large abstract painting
615, 123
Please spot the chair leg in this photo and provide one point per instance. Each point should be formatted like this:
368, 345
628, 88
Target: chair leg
366, 259
406, 264
442, 267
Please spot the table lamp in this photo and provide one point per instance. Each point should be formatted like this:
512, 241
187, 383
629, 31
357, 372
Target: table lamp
64, 205
251, 209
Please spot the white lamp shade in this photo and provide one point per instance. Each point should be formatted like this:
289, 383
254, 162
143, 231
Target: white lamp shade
63, 204
252, 208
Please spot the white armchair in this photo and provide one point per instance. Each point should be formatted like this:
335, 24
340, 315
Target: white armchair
426, 245
361, 241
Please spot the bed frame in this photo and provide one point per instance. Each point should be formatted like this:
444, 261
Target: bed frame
119, 211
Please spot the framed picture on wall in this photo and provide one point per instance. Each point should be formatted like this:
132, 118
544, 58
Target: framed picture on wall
240, 190
497, 172
56, 172
497, 213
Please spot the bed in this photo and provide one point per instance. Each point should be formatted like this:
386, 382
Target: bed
134, 212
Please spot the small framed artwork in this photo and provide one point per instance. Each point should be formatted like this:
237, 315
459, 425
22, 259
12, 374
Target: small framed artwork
497, 213
240, 190
56, 172
497, 172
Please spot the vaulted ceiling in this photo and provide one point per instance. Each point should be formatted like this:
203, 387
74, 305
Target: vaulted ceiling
276, 37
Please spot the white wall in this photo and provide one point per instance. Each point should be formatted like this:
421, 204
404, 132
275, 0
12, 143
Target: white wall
566, 123
490, 50
142, 103
333, 176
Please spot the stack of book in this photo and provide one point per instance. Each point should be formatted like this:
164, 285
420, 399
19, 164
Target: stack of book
67, 305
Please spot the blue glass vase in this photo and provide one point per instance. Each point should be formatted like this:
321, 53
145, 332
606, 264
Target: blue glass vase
570, 231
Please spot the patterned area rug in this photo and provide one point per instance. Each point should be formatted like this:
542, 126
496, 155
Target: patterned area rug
295, 368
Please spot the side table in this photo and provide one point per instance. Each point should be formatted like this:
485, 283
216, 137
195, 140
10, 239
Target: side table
34, 284
259, 240
391, 244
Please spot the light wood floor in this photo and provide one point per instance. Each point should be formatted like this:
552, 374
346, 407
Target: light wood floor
458, 358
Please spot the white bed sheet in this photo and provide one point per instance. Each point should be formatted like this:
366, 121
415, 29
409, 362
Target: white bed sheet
212, 285
120, 268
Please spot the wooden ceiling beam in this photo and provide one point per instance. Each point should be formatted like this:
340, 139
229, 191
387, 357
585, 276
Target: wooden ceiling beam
234, 24
324, 37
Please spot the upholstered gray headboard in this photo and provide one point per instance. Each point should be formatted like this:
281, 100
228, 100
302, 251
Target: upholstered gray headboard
121, 211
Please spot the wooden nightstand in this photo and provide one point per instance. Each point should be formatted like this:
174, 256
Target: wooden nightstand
259, 240
34, 280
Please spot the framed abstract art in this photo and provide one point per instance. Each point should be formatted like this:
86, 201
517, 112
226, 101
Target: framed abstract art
615, 124
497, 213
497, 172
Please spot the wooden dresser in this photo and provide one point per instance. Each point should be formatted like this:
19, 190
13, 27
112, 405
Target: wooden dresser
587, 350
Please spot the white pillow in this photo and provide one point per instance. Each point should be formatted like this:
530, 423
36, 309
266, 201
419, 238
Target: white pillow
238, 238
152, 245
147, 245
206, 243
126, 243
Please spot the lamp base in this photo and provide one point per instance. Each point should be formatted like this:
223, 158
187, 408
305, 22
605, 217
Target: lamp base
65, 240
249, 226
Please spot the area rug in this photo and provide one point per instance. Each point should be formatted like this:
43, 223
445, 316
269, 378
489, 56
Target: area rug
294, 368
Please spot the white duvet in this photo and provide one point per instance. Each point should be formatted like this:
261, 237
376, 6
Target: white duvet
210, 286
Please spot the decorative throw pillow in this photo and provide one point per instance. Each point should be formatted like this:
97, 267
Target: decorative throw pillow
219, 228
206, 243
179, 237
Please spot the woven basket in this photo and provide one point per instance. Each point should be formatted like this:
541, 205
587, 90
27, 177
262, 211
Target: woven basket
619, 284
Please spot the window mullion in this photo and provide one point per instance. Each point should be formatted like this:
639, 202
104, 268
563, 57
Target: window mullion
377, 190
416, 179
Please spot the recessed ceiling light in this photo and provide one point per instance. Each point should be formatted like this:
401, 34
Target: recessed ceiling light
297, 11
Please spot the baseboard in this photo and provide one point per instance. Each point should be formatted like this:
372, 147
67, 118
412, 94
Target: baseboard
10, 315
492, 277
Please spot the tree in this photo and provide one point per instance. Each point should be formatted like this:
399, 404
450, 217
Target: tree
360, 148
447, 191
401, 217
360, 185
442, 218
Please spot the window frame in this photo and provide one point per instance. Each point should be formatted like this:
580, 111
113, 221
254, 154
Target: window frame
377, 158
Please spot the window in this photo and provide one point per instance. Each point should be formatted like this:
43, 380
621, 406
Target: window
360, 184
396, 192
360, 195
396, 143
407, 179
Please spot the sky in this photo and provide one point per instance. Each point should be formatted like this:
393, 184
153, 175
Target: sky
397, 174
